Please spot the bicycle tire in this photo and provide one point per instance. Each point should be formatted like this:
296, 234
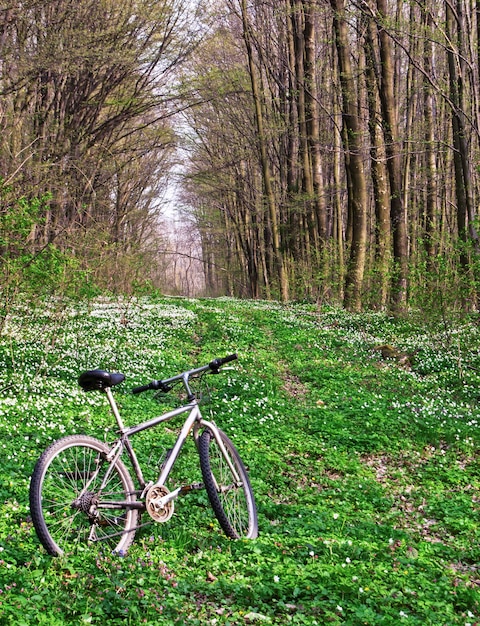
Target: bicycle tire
65, 513
233, 505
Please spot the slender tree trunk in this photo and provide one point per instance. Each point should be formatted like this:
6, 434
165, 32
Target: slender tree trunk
306, 234
313, 123
338, 214
381, 189
352, 137
394, 164
410, 160
463, 181
430, 153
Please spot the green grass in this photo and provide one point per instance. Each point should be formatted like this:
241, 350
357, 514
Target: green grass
366, 474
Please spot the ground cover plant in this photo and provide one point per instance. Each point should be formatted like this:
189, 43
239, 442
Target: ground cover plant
361, 434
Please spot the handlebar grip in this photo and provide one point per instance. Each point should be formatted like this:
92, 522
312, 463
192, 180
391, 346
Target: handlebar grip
155, 384
216, 363
230, 357
141, 388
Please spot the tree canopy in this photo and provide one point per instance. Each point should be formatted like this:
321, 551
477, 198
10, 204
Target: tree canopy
329, 148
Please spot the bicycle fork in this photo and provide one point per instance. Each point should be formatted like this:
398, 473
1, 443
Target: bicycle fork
237, 480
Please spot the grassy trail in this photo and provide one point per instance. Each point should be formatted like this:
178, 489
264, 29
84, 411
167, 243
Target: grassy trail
366, 471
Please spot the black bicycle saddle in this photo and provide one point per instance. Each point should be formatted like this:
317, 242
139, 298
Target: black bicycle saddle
95, 380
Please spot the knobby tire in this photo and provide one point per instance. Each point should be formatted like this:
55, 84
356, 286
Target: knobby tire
233, 503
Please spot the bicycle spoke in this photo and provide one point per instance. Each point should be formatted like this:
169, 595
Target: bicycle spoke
77, 496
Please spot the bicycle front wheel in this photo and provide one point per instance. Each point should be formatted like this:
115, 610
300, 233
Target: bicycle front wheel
227, 485
77, 496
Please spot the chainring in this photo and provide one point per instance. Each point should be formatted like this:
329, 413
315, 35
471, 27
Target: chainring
158, 512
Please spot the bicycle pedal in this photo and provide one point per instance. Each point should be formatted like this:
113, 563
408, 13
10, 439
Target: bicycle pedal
193, 487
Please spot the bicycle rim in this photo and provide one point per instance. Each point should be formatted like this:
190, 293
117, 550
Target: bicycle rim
73, 501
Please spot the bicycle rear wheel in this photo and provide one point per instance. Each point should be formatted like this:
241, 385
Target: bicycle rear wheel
229, 492
77, 496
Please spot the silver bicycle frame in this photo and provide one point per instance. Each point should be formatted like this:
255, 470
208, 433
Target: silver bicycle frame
193, 422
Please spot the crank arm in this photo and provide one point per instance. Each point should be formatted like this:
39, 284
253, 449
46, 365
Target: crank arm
164, 500
180, 491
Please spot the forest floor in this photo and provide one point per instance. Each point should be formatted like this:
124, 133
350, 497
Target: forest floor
360, 432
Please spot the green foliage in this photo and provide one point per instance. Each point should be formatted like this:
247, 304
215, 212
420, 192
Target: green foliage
366, 472
17, 218
444, 283
31, 269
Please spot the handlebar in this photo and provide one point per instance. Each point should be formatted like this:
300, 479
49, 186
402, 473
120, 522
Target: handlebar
155, 384
217, 363
165, 385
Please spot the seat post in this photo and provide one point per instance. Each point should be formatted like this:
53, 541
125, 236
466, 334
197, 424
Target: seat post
114, 408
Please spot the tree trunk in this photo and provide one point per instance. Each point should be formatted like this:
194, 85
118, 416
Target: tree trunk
381, 189
430, 155
352, 137
463, 180
394, 164
338, 213
313, 123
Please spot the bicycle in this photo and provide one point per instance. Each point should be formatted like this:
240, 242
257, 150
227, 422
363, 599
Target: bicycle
81, 489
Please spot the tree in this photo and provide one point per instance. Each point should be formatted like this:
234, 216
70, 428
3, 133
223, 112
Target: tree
456, 54
86, 94
354, 160
378, 158
394, 162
